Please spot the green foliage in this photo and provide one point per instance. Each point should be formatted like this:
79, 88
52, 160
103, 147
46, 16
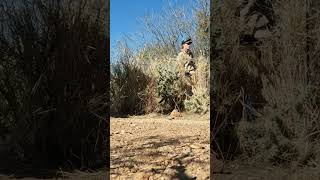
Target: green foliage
154, 59
168, 84
199, 102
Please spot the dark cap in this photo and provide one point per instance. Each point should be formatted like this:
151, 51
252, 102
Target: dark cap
186, 41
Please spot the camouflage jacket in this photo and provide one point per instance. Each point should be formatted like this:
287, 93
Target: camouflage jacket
186, 63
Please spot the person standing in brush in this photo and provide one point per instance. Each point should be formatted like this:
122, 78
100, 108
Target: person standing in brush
187, 66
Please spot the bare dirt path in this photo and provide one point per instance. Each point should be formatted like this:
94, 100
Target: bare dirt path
153, 147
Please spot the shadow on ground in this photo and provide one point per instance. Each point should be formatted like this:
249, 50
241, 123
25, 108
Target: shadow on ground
145, 152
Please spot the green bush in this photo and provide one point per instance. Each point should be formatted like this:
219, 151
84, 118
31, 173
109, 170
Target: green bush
168, 86
199, 102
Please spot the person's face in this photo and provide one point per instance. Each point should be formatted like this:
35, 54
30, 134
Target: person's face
186, 46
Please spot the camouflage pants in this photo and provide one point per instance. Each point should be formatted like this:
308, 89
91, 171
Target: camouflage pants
188, 85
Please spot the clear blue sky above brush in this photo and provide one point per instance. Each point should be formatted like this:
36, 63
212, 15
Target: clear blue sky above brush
125, 14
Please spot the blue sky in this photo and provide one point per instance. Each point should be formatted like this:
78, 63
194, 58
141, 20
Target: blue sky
125, 14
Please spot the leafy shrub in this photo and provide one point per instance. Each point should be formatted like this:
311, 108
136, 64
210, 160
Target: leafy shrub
169, 86
199, 102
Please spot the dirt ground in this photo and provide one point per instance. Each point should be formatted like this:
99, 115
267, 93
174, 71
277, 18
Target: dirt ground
153, 147
242, 170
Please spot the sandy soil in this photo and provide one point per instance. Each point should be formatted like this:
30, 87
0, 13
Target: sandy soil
251, 169
153, 147
241, 170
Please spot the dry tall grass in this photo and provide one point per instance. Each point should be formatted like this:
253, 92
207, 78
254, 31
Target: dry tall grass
272, 87
53, 76
129, 85
288, 131
155, 61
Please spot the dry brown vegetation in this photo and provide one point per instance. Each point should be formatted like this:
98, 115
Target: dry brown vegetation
142, 78
145, 83
53, 75
267, 89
